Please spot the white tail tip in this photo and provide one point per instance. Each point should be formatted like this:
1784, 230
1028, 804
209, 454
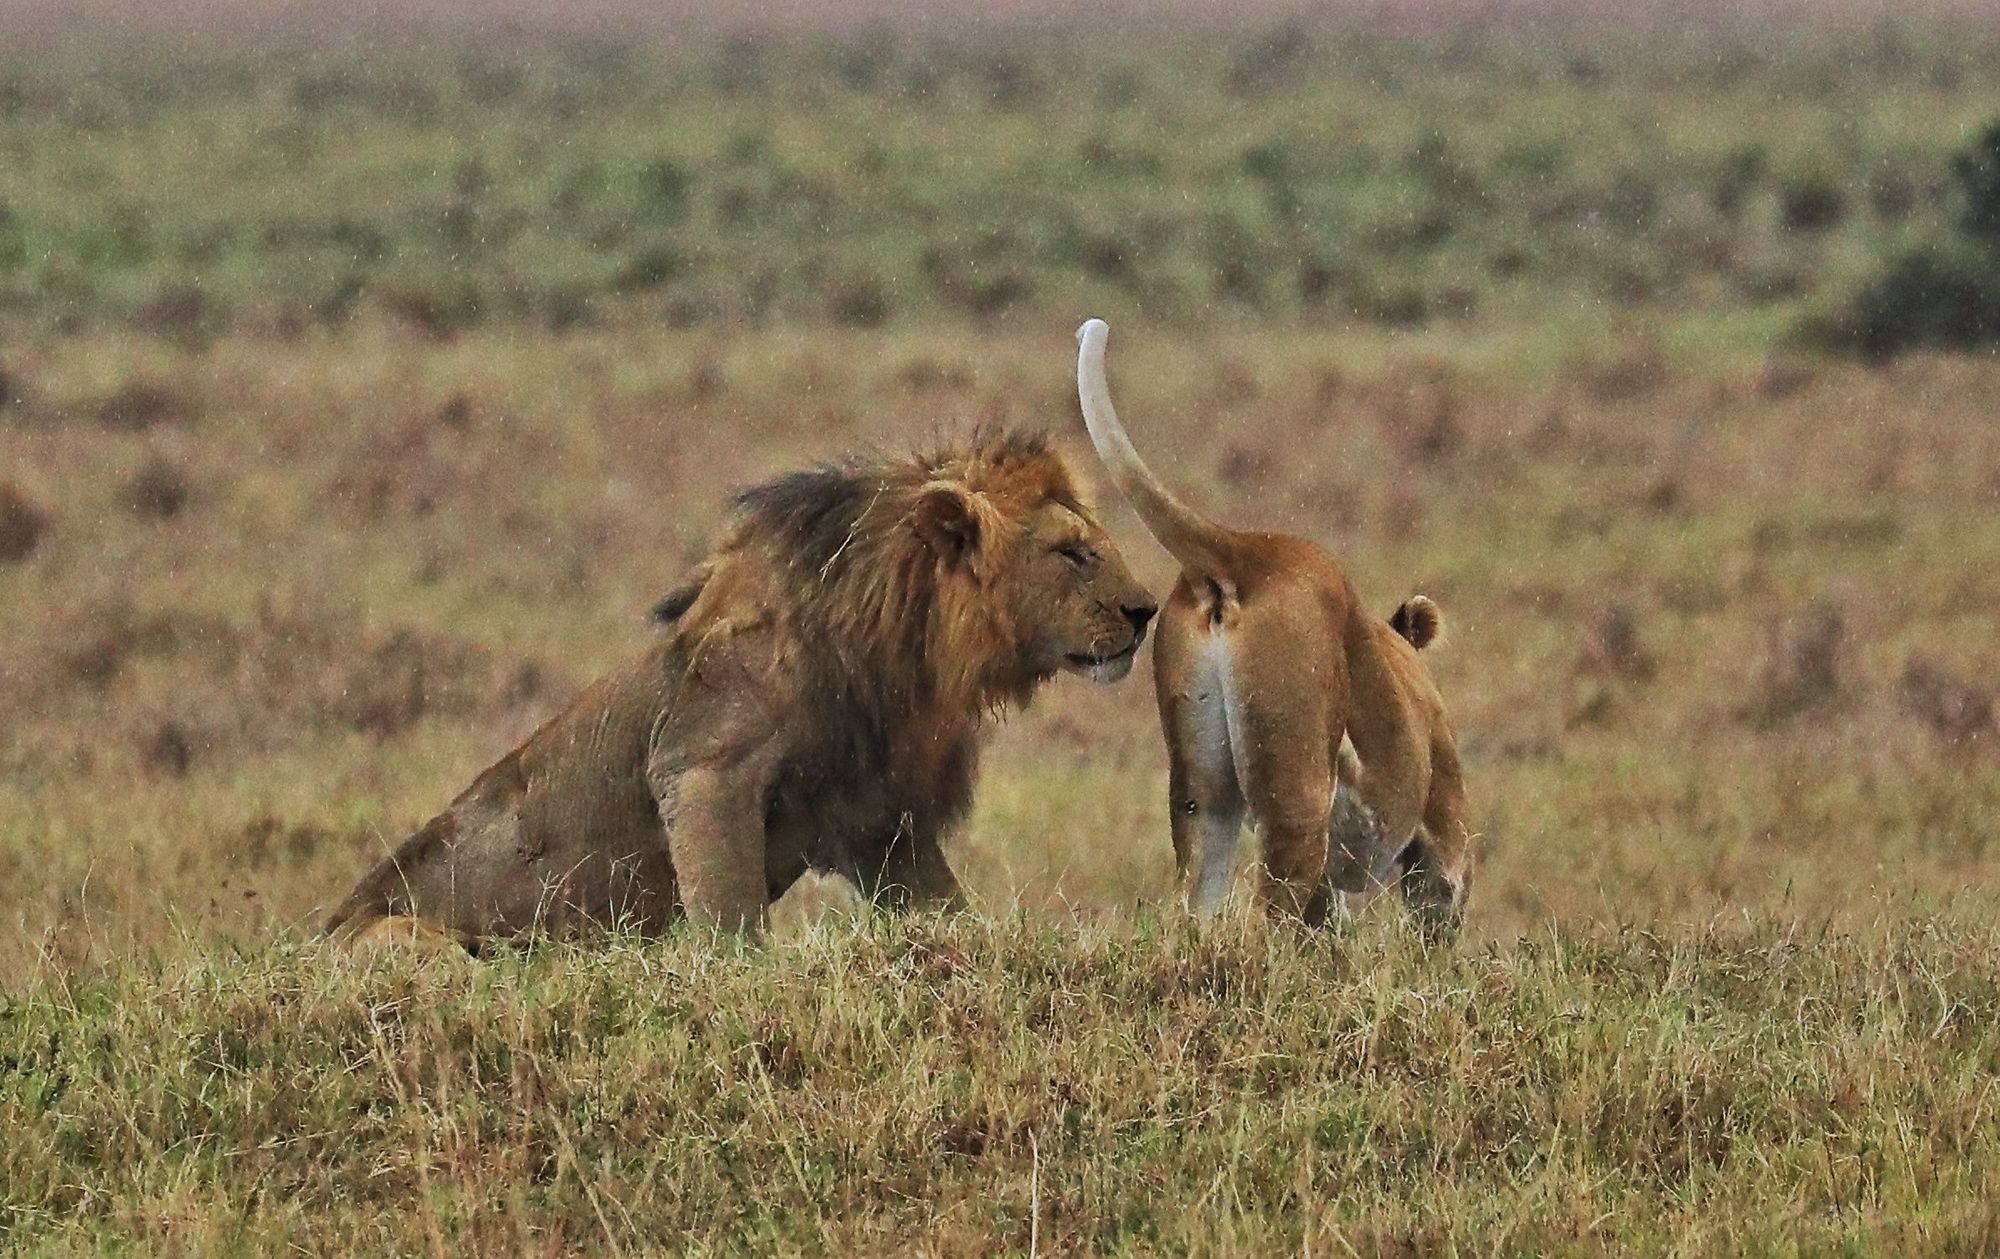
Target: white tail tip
1093, 330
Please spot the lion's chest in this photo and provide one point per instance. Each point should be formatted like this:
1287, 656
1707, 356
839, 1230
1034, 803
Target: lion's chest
840, 808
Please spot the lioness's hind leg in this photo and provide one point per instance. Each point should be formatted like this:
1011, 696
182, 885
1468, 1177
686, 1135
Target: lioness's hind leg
1436, 900
1205, 801
1206, 827
1284, 729
1437, 866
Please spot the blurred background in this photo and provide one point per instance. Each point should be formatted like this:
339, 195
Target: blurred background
364, 380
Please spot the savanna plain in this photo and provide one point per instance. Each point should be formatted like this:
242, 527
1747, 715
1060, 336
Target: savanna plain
358, 398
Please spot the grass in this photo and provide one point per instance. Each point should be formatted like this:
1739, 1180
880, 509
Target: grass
978, 1087
1727, 981
281, 576
1335, 174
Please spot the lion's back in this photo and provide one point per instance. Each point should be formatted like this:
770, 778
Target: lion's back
561, 827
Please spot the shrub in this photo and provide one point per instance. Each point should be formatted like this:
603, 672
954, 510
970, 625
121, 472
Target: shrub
1741, 172
1272, 62
665, 188
1942, 299
440, 309
1893, 194
984, 277
860, 302
1978, 173
143, 405
1942, 296
650, 268
1811, 203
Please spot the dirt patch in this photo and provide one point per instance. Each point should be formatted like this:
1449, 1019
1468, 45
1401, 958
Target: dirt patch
1804, 668
159, 490
97, 643
1954, 709
22, 525
1615, 648
265, 841
401, 678
142, 405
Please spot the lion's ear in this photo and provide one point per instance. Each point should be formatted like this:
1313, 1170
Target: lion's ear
675, 603
947, 519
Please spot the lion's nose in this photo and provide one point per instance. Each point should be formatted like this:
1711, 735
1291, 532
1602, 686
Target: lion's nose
1139, 614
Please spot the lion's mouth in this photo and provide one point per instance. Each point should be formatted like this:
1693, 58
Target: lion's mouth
1097, 660
1103, 667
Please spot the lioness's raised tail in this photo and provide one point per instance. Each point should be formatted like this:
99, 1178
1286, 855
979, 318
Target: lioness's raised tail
1205, 549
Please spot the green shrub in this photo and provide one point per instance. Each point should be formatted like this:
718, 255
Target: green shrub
1978, 173
1811, 203
1946, 299
650, 268
860, 302
1943, 296
1742, 171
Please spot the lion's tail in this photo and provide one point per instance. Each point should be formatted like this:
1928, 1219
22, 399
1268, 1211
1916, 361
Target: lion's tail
1203, 547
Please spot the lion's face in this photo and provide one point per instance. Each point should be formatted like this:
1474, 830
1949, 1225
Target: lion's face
1078, 606
1030, 564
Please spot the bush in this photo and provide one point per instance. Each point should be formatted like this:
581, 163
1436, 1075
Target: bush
650, 268
665, 189
1941, 299
1739, 177
1978, 173
158, 490
860, 302
1811, 203
1944, 296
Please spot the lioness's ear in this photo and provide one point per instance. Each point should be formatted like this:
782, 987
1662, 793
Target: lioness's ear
1419, 621
947, 519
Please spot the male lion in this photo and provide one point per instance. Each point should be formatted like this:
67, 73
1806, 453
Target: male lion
1281, 696
815, 701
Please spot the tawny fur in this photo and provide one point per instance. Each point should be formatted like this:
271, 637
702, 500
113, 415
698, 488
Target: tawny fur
816, 700
1284, 701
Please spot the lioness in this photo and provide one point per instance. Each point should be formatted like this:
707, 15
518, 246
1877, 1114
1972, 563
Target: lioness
815, 701
1280, 696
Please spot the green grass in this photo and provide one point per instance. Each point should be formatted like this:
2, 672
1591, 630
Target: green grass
970, 1088
1331, 175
